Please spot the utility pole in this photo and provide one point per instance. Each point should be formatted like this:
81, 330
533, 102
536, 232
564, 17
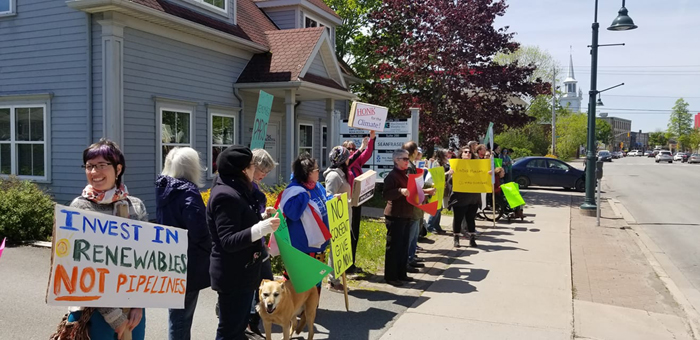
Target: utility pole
554, 110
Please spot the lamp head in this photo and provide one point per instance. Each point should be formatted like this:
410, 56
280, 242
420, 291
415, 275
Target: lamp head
623, 22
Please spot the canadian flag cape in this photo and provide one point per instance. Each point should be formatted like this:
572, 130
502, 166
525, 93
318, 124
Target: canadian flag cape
315, 230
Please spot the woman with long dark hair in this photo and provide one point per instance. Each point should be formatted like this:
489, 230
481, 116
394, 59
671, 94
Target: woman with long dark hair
465, 206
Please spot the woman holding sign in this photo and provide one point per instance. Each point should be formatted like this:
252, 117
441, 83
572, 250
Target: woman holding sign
179, 204
236, 228
398, 214
105, 193
336, 184
465, 206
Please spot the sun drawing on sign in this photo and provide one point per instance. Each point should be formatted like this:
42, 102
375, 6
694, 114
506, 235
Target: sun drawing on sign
62, 247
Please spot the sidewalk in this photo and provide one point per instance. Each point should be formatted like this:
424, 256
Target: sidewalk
554, 276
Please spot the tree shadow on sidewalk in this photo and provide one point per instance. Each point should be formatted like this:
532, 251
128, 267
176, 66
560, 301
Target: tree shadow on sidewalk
548, 198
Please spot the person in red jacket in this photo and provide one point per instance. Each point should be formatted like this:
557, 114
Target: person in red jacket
357, 160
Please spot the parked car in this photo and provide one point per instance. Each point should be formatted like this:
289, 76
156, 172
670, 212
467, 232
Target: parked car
664, 156
649, 154
548, 172
680, 156
605, 156
694, 158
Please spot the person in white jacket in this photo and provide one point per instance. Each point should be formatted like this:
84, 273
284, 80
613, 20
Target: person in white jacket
336, 177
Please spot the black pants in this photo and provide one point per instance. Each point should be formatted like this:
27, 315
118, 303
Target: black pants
234, 312
355, 232
467, 213
396, 258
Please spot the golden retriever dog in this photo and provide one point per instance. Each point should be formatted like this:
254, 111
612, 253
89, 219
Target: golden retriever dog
281, 304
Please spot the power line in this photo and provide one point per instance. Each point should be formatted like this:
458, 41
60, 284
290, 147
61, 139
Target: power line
642, 96
607, 108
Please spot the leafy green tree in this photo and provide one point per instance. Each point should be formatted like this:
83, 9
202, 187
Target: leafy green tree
349, 34
603, 131
694, 140
532, 139
571, 130
681, 121
529, 55
658, 138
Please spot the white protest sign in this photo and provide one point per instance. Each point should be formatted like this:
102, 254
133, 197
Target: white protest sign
102, 260
367, 116
363, 188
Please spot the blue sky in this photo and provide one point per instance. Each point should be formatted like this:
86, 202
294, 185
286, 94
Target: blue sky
659, 64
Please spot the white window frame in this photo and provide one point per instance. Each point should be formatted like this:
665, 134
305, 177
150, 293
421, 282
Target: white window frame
35, 103
167, 106
324, 147
12, 9
219, 112
218, 10
299, 147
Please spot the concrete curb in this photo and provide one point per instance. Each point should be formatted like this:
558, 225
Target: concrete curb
646, 244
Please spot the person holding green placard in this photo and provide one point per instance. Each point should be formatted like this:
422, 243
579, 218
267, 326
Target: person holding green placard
236, 227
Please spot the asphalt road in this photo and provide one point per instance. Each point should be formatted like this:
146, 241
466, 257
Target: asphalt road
664, 199
24, 273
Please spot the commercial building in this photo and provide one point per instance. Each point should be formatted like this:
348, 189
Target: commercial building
621, 129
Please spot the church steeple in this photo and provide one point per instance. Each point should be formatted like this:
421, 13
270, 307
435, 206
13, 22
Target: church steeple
572, 96
570, 75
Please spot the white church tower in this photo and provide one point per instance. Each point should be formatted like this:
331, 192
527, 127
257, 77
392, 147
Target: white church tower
572, 94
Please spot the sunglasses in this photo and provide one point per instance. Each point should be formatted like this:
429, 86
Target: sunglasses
352, 149
405, 159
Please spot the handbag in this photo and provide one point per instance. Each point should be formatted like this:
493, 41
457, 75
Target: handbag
74, 330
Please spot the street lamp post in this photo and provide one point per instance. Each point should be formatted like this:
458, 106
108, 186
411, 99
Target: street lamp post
622, 23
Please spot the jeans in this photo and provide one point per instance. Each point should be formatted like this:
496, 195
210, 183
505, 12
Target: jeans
355, 218
467, 213
234, 312
396, 258
180, 320
99, 329
413, 231
434, 222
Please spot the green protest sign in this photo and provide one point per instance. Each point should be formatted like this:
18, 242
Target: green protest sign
262, 117
498, 162
512, 193
304, 271
438, 175
282, 232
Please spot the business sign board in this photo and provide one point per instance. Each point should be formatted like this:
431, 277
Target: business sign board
396, 132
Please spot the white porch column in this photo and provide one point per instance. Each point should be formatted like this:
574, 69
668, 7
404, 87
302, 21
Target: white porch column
291, 150
113, 78
331, 124
415, 120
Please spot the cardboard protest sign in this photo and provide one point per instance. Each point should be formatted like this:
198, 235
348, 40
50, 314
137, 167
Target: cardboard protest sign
416, 196
102, 260
2, 246
498, 163
471, 175
339, 223
367, 116
438, 174
512, 192
363, 187
304, 271
262, 117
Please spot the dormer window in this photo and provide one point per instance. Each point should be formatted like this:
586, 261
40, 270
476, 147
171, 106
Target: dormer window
218, 6
310, 23
216, 3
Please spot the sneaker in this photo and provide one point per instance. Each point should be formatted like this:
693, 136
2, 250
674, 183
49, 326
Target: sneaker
338, 287
472, 241
395, 283
440, 231
456, 243
412, 270
415, 264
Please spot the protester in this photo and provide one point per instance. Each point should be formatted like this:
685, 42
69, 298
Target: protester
440, 161
398, 214
179, 204
481, 151
304, 205
507, 165
236, 227
105, 193
264, 164
336, 184
414, 227
465, 207
357, 160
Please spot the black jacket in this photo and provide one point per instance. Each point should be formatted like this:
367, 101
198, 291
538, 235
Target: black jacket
235, 259
396, 206
179, 204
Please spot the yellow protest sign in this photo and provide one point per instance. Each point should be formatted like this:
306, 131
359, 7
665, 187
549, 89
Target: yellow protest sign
339, 223
471, 175
438, 175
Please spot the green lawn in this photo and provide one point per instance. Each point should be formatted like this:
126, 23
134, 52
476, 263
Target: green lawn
371, 246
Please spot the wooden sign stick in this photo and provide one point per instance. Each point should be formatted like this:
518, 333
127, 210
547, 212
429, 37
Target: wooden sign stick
345, 291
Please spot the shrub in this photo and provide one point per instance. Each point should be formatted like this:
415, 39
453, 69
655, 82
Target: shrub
26, 211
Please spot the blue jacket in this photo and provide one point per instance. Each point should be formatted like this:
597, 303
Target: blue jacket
179, 204
293, 209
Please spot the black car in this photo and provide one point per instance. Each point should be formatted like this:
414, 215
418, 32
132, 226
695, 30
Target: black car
547, 172
605, 156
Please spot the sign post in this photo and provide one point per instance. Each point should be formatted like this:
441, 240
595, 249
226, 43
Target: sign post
262, 118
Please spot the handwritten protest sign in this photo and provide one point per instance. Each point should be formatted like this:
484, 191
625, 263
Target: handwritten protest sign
102, 260
438, 175
363, 187
471, 175
262, 117
416, 196
367, 116
339, 223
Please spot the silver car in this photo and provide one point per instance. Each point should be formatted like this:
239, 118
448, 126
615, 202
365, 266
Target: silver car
664, 156
694, 158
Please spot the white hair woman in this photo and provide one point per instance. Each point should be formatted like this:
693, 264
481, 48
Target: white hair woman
179, 204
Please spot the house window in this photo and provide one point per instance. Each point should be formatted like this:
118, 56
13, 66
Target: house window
23, 142
306, 139
7, 7
324, 146
174, 131
223, 135
216, 3
307, 23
